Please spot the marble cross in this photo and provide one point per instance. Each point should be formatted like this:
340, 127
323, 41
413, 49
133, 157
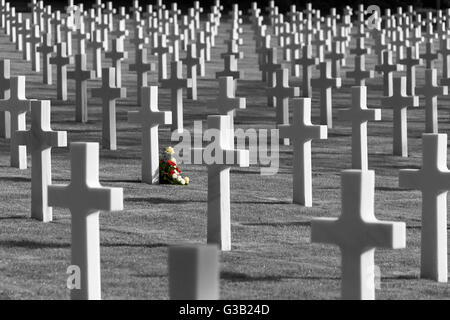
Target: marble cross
109, 92
40, 139
46, 48
358, 232
444, 51
162, 50
306, 62
282, 92
230, 68
149, 117
61, 60
430, 91
218, 211
325, 83
97, 47
360, 74
34, 39
192, 63
359, 115
17, 105
176, 84
410, 62
226, 101
433, 180
117, 55
141, 67
85, 198
301, 131
336, 57
81, 75
428, 56
5, 86
387, 67
399, 102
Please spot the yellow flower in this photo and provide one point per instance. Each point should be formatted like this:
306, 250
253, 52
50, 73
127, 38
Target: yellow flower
170, 150
173, 160
186, 179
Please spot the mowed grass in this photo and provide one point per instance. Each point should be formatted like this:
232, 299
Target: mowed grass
271, 257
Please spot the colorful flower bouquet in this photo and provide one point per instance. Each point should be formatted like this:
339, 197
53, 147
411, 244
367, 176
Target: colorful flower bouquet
169, 173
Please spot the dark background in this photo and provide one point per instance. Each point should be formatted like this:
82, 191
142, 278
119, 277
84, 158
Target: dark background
324, 5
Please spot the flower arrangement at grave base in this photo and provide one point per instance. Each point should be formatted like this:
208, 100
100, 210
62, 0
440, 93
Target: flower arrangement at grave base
169, 173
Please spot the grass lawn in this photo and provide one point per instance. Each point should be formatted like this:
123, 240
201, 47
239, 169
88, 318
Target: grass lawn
271, 257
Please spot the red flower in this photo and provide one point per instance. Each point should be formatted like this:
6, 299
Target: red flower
171, 172
171, 163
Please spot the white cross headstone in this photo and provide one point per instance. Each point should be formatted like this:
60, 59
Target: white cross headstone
40, 139
109, 92
218, 212
176, 84
430, 91
306, 62
117, 55
81, 75
359, 115
192, 62
410, 62
85, 197
61, 60
301, 131
141, 67
150, 118
282, 92
399, 102
358, 232
226, 101
35, 39
162, 50
433, 181
230, 68
428, 56
17, 105
5, 86
387, 67
46, 48
325, 83
97, 47
360, 74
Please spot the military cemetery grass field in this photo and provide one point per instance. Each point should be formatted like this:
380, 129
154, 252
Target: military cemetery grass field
271, 256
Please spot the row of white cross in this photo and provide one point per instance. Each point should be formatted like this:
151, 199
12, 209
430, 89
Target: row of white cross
357, 232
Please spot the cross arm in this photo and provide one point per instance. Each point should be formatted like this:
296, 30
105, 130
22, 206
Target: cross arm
316, 132
134, 117
336, 82
432, 91
59, 196
286, 131
323, 230
23, 137
57, 138
105, 199
237, 157
163, 117
410, 178
385, 234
